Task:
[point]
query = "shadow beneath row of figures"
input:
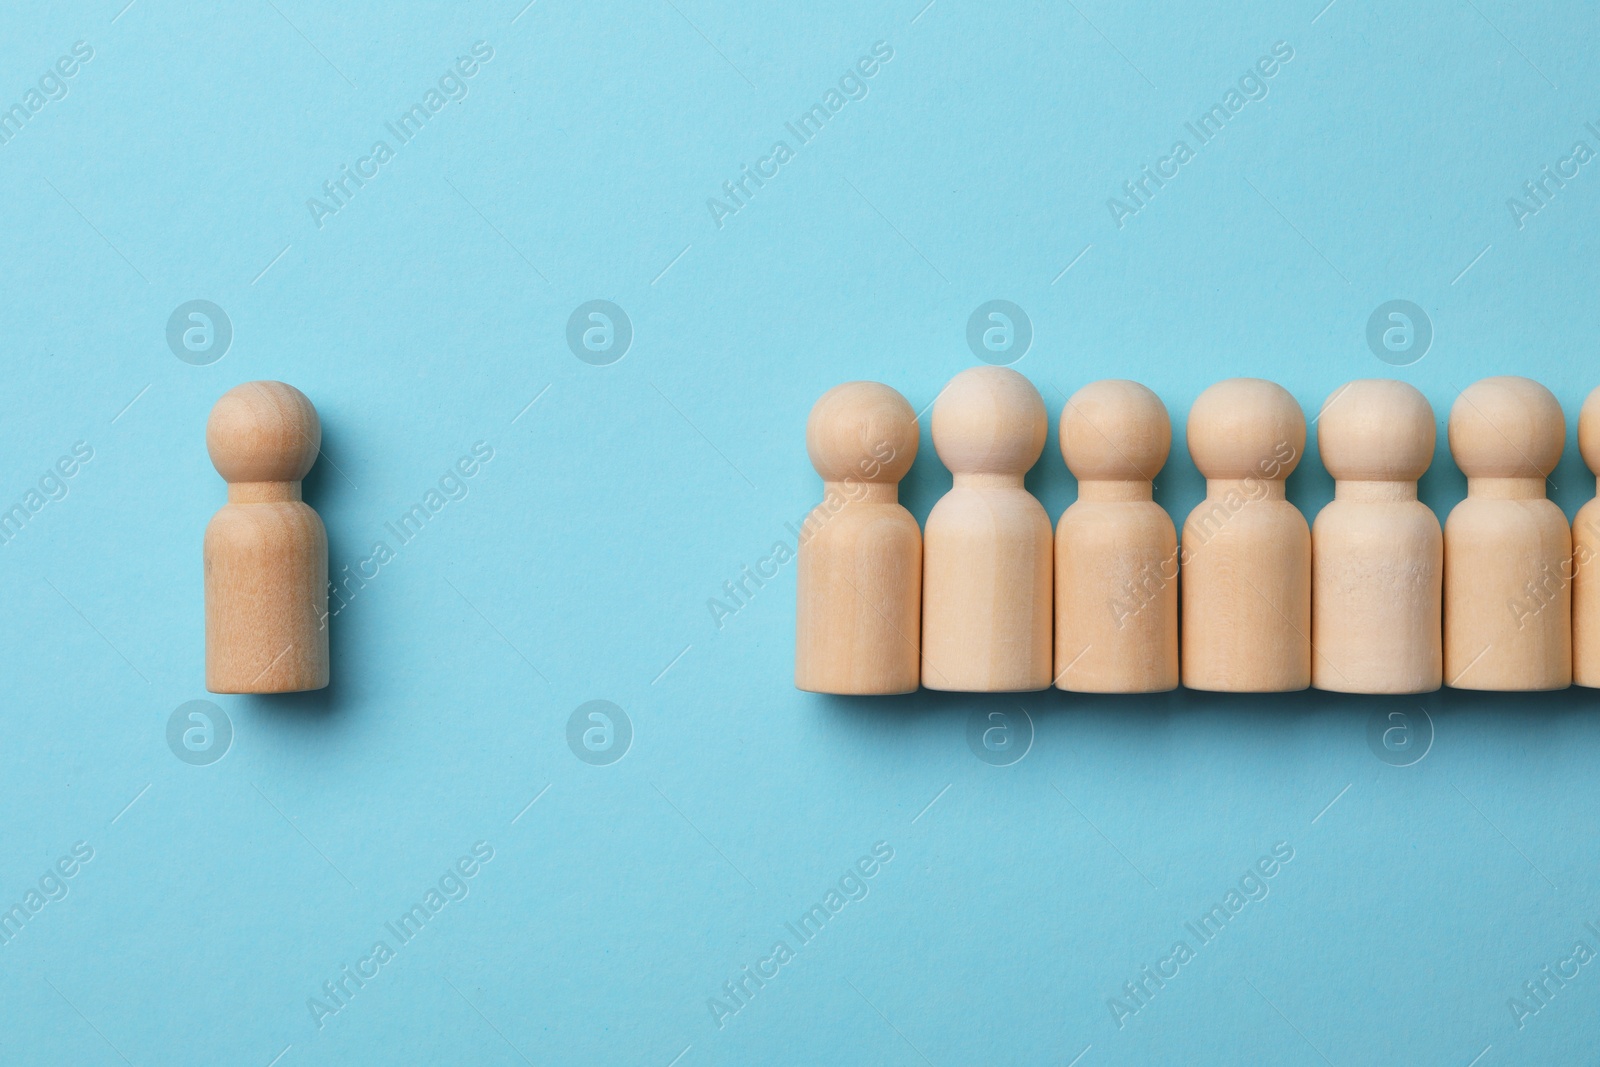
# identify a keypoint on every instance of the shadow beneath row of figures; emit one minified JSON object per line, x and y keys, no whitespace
{"x":1530,"y":709}
{"x":1000,"y":728}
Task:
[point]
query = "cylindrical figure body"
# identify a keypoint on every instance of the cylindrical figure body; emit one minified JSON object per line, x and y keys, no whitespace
{"x":859,"y":599}
{"x":1246,"y":556}
{"x":1116,"y":558}
{"x":1507,"y":547}
{"x":986,"y":618}
{"x":1586,"y":558}
{"x":266,"y":552}
{"x":1377,"y":553}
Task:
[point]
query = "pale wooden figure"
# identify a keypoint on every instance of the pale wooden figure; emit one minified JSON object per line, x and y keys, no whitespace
{"x":858,"y":610}
{"x":1246,"y":559}
{"x":1507,"y":547}
{"x":1377,"y":554}
{"x":1586,"y":558}
{"x":986,"y":585}
{"x":1116,"y":601}
{"x":266,"y":552}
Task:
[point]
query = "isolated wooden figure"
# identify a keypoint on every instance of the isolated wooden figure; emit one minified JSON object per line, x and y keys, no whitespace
{"x":1586,"y":558}
{"x":1246,"y":558}
{"x":1377,"y":553}
{"x":266,"y":552}
{"x":1507,"y":547}
{"x":859,"y":603}
{"x":986,"y":586}
{"x":1116,"y":596}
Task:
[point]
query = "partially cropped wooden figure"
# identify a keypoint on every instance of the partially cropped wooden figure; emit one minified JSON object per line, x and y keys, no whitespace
{"x":1116,"y":549}
{"x":1507,"y":547}
{"x":1377,"y":554}
{"x":986,"y":589}
{"x":859,"y":602}
{"x":266,"y":552}
{"x":1246,"y":567}
{"x":1586,"y":558}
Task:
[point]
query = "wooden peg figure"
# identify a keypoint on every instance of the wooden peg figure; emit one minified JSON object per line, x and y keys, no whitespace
{"x":1586,"y":558}
{"x":266,"y":552}
{"x":1507,"y":547}
{"x":1246,"y":566}
{"x":859,"y":603}
{"x":986,"y":588}
{"x":1116,"y":599}
{"x":1377,"y":554}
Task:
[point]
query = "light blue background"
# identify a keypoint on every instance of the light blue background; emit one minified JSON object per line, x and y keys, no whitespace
{"x":431,"y":311}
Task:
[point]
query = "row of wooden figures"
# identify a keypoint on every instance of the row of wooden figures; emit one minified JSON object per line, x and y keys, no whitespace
{"x":1374,"y":598}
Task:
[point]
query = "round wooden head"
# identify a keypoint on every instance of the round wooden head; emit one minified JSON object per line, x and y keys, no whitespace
{"x":989,"y":420}
{"x":1376,"y":430}
{"x":1246,"y":428}
{"x":263,"y":432}
{"x":1115,"y":431}
{"x":1589,"y":431}
{"x":1507,"y":427}
{"x":864,"y":431}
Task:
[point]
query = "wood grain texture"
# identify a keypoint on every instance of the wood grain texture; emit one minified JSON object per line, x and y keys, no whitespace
{"x":858,"y":607}
{"x":1246,"y":557}
{"x":1507,"y":547}
{"x":987,"y":550}
{"x":266,"y":552}
{"x":1116,"y":550}
{"x":1377,"y":553}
